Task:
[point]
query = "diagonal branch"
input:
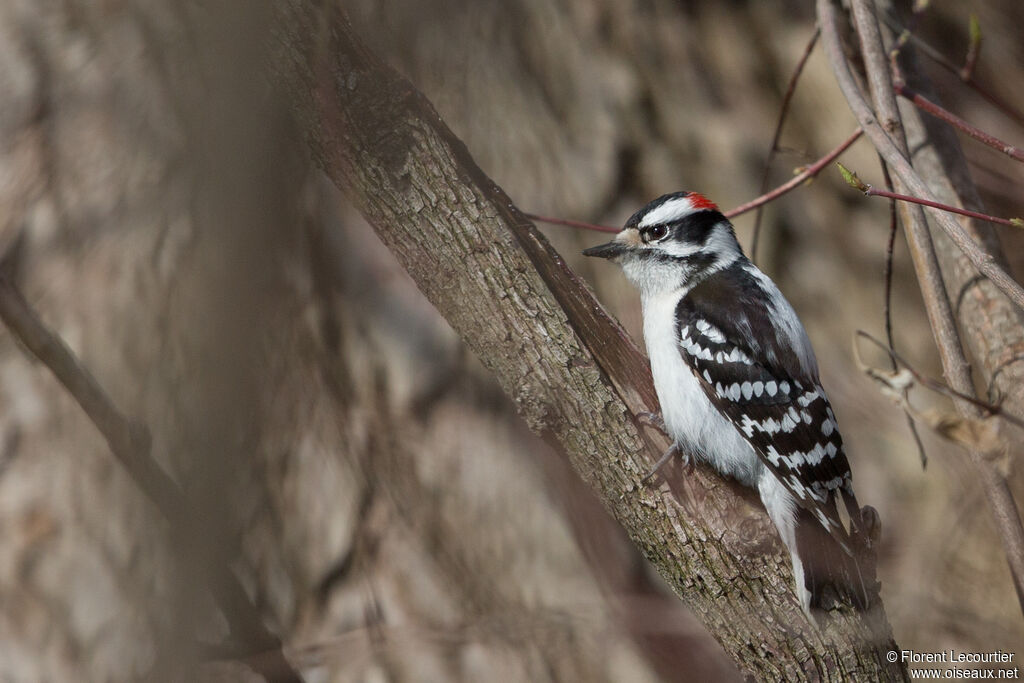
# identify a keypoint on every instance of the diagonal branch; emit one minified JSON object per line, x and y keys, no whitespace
{"x":924,"y":104}
{"x":795,"y":182}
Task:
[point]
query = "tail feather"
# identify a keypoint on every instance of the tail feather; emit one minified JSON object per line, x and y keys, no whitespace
{"x":833,"y":562}
{"x":831,"y":573}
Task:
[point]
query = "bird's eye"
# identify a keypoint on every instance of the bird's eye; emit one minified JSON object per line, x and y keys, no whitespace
{"x":656,"y":232}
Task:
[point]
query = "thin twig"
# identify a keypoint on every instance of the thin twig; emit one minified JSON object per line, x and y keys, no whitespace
{"x":940,"y":387}
{"x":1011,"y":222}
{"x":890,"y":249}
{"x":809,"y":172}
{"x":899,"y":164}
{"x":571,"y":223}
{"x":973,"y":48}
{"x":783,"y":112}
{"x":967,"y":77}
{"x":130,"y":443}
{"x":926,"y":105}
{"x":871,"y":191}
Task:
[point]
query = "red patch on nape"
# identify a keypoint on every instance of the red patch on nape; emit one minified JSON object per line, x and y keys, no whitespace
{"x":699,"y":202}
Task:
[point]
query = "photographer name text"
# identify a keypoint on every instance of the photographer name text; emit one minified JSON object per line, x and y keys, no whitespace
{"x":955,"y":657}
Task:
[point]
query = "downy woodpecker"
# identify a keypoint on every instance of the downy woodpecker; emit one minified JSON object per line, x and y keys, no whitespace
{"x":738,"y":384}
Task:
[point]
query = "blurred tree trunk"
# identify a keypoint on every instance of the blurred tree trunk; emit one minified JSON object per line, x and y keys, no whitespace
{"x":383,"y":506}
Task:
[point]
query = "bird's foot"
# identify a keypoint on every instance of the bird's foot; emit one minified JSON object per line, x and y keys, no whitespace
{"x":673,"y":450}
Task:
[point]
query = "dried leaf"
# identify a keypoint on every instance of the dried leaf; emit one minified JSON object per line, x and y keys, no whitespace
{"x":892,"y":383}
{"x":981,"y":435}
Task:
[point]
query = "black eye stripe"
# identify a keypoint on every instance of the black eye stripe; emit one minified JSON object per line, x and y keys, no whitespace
{"x":696,"y":227}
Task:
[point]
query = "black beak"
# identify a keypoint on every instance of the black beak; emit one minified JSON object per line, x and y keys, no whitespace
{"x":609,"y":250}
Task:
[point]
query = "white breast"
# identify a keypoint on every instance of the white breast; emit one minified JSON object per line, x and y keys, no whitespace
{"x":691,"y":419}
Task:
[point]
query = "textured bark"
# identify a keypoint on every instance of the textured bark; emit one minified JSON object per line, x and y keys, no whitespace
{"x":510,"y":297}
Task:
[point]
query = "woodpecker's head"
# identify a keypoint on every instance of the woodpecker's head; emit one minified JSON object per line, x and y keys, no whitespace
{"x":673,"y":240}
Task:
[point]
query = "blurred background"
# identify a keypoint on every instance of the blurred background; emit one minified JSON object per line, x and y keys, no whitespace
{"x":388,"y":511}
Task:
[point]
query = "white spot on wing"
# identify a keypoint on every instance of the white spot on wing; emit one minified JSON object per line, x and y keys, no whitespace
{"x":808,"y":398}
{"x":748,"y":425}
{"x":714,"y":335}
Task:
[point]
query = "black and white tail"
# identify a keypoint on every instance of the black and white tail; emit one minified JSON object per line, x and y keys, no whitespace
{"x":833,"y":574}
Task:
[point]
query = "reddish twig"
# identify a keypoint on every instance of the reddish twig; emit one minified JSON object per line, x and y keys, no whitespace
{"x":926,"y":105}
{"x":965,"y":75}
{"x":783,"y":112}
{"x":809,"y":172}
{"x":571,"y":223}
{"x":872,"y":191}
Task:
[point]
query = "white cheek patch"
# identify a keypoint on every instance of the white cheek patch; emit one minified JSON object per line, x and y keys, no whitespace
{"x":679,"y":249}
{"x":671,"y":210}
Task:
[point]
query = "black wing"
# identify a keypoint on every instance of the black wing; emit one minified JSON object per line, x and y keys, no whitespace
{"x":778,"y":406}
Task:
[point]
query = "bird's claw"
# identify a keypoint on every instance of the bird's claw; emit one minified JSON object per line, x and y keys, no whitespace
{"x":673,"y":450}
